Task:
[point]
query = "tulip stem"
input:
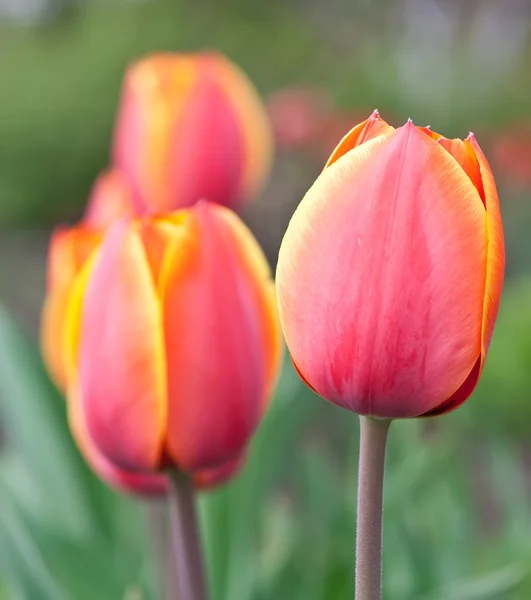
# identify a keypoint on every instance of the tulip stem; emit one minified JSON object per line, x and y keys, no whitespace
{"x":373,"y":438}
{"x":190,"y":577}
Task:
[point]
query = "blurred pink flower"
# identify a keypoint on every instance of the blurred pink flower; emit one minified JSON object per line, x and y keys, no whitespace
{"x":511,"y":154}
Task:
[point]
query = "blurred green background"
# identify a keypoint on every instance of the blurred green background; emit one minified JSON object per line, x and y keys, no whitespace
{"x":458,"y":489}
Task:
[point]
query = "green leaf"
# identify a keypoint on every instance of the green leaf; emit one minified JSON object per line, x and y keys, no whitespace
{"x":34,"y":416}
{"x":21,"y":559}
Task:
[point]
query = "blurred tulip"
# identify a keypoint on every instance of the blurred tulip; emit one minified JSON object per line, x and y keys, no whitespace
{"x":306,"y":119}
{"x":295,"y":112}
{"x":191,"y":127}
{"x":390,"y":273}
{"x":172,"y":345}
{"x":511,"y":155}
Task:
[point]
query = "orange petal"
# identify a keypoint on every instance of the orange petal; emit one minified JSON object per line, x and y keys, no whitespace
{"x":464,"y":154}
{"x":125,"y":481}
{"x":433,"y":134}
{"x":110,"y":199}
{"x":215,"y":343}
{"x":363,"y":132}
{"x":381,"y":277}
{"x":495,"y":249}
{"x":121,"y":356}
{"x":72,"y":319}
{"x":154,"y":90}
{"x":68,"y":251}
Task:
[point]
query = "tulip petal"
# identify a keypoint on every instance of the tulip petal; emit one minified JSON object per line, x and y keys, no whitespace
{"x":461,"y":395}
{"x":121,"y":359}
{"x":154,"y":91}
{"x":495,"y":249}
{"x":214,"y":345}
{"x":433,"y":134}
{"x":71,"y":333}
{"x":361,"y":133}
{"x":254,"y":263}
{"x":207,"y":151}
{"x":69,"y":248}
{"x":479,"y":172}
{"x":125,"y":481}
{"x":211,"y":478}
{"x":256,"y":131}
{"x":381,"y":277}
{"x":464,"y":154}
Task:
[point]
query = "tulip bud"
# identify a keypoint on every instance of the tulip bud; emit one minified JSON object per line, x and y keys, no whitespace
{"x":191,"y":127}
{"x":390,"y":273}
{"x":172,"y":344}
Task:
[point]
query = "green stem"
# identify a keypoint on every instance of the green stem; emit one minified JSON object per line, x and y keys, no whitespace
{"x":373,"y":437}
{"x":160,"y":537}
{"x":189,"y":571}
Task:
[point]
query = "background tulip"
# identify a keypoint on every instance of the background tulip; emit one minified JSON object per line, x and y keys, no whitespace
{"x":390,"y":272}
{"x":173,"y":343}
{"x":191,"y":127}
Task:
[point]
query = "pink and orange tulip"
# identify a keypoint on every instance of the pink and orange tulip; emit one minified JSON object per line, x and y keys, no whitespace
{"x":191,"y":127}
{"x":171,"y":347}
{"x":391,"y":270}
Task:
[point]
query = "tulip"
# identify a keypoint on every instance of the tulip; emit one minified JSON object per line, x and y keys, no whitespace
{"x":191,"y":127}
{"x":172,"y":345}
{"x":388,"y":282}
{"x":511,"y":155}
{"x":295,"y":113}
{"x":390,"y":272}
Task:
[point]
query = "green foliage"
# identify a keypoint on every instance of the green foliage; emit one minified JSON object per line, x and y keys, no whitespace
{"x":285,"y":527}
{"x":63,"y":534}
